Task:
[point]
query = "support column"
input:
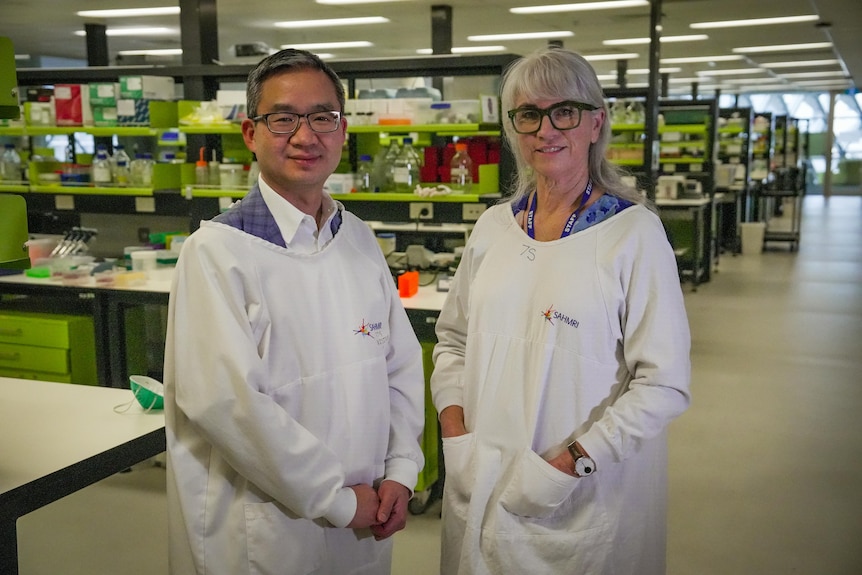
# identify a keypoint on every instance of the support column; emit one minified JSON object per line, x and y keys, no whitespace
{"x":665,"y":85}
{"x":651,"y":153}
{"x":199,"y":41}
{"x":694,"y":87}
{"x":830,"y":141}
{"x":622,"y":69}
{"x":441,"y":36}
{"x":97,"y":45}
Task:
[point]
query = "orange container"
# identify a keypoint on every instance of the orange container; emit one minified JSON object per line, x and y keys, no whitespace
{"x":408,"y":284}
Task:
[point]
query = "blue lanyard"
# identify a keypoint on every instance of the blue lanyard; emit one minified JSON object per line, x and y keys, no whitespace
{"x":585,"y":197}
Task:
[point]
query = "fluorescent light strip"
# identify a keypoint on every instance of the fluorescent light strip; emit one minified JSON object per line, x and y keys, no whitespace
{"x":132,"y":32}
{"x":130,"y":12}
{"x":767,"y":80}
{"x":162,"y":52}
{"x":22,"y":56}
{"x":801,"y":63}
{"x":465,"y":50}
{"x":329,"y":45}
{"x":734,"y":72}
{"x":755,"y":22}
{"x":520,"y":36}
{"x":697,"y":59}
{"x":332,"y":22}
{"x":346,"y":2}
{"x":634,"y":41}
{"x":579,"y":7}
{"x":782,"y":48}
{"x":813,"y":74}
{"x":823,"y":83}
{"x":605,"y":57}
{"x":660,"y":71}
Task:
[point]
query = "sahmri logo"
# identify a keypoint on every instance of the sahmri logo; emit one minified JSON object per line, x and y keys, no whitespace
{"x":551,"y":315}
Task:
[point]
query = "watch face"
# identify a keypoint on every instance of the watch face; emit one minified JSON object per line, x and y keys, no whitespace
{"x":585,"y":466}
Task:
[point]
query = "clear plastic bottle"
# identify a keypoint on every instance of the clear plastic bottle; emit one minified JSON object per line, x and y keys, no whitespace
{"x":102,"y":168}
{"x":121,"y":165}
{"x":10,"y":164}
{"x":405,"y":170}
{"x":461,"y":170}
{"x":142,"y":170}
{"x":202,"y":169}
{"x":387,"y":184}
{"x":363,"y":182}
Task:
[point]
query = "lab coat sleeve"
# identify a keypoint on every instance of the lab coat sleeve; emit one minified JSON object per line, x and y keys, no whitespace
{"x":214,"y":366}
{"x":404,"y":458}
{"x":451,"y":331}
{"x":656,"y":342}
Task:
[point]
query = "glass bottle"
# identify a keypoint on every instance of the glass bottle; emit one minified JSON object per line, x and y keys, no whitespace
{"x":121,"y":165}
{"x":405,"y":170}
{"x":364,"y":170}
{"x":10,"y":167}
{"x":461,"y":172}
{"x":102,"y":168}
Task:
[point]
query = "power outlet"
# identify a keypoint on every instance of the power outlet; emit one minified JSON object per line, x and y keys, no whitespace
{"x":471,"y":212}
{"x":421,"y":211}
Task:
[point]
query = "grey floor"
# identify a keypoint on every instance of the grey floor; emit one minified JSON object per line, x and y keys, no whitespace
{"x":765,"y":468}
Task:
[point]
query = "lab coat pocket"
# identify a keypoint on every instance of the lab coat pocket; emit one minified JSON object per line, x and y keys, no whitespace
{"x":460,"y":470}
{"x":536,"y":488}
{"x":278,"y":543}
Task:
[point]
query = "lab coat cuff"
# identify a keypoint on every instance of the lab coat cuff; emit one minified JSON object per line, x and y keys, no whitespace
{"x":343,"y":509}
{"x":447,"y":397}
{"x":597,"y":446}
{"x":403,"y":471}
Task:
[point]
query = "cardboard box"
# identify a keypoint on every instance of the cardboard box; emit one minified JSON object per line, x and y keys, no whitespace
{"x":104,"y":93}
{"x":105,"y":116}
{"x":132,"y":112}
{"x":147,"y":87}
{"x":39,"y":113}
{"x":69,"y":104}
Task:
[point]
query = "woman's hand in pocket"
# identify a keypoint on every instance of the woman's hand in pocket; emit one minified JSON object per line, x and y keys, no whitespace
{"x":564,"y":463}
{"x":452,"y":421}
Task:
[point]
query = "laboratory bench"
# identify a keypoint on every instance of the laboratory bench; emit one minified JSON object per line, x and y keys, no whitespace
{"x":688,"y":223}
{"x":59,"y":438}
{"x":118,"y":330}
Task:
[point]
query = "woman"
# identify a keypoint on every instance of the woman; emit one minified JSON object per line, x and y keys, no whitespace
{"x":563,"y":352}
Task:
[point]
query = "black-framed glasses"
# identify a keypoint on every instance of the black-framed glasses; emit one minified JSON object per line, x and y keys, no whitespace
{"x":563,"y":116}
{"x":288,"y":122}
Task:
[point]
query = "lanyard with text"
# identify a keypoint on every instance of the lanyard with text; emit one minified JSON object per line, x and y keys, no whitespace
{"x":569,"y":224}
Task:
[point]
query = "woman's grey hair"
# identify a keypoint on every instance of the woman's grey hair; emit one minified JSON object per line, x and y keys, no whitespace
{"x":286,"y":60}
{"x":560,"y":74}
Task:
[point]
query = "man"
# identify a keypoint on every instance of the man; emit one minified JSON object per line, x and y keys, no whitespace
{"x":293,"y":379}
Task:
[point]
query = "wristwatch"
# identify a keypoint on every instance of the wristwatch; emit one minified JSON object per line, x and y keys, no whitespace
{"x":584,"y":464}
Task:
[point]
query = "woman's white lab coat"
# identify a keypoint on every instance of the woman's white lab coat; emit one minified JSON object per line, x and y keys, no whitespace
{"x":541,"y":343}
{"x":288,"y":378}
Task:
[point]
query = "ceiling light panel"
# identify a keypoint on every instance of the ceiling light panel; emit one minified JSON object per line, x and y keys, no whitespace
{"x":699,"y":59}
{"x":755,"y":22}
{"x":521,"y":36}
{"x":782,"y":48}
{"x":326,"y":23}
{"x":579,"y":7}
{"x":800,"y":63}
{"x":329,"y":45}
{"x":635,"y":41}
{"x":605,"y":57}
{"x":130,"y":12}
{"x":133,"y":32}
